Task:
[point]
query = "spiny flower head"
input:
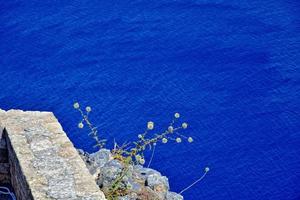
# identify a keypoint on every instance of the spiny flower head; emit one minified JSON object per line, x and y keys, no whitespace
{"x":76,"y":105}
{"x":178,"y":140}
{"x":88,"y":109}
{"x":142,"y":161}
{"x":138,"y":157}
{"x":184,"y":125}
{"x":176,"y":115}
{"x":150,"y":125}
{"x":206,"y":169}
{"x":80,"y":125}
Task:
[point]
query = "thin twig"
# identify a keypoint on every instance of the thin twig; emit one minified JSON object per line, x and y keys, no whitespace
{"x":152,"y":155}
{"x":185,"y":189}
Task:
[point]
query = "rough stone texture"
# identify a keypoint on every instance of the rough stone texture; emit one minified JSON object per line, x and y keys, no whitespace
{"x":109,"y":172}
{"x":148,"y":194}
{"x":96,"y":160}
{"x":158,"y":183}
{"x":173,"y":196}
{"x":44,"y":164}
{"x":142,"y":183}
{"x":4,"y":164}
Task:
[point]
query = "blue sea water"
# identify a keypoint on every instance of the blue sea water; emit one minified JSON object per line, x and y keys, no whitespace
{"x":231,"y":68}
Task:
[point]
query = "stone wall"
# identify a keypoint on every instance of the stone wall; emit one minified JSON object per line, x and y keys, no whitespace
{"x":4,"y":164}
{"x":43,"y":163}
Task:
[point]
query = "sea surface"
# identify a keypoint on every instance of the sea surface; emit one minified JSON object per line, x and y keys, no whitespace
{"x":230,"y":68}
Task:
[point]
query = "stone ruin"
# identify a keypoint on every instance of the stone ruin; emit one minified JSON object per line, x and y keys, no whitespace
{"x":39,"y":162}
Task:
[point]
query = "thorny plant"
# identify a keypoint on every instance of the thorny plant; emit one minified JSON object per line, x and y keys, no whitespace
{"x":132,"y":153}
{"x":85,"y":119}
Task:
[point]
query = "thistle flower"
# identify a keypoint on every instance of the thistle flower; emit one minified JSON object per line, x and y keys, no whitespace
{"x":178,"y":140}
{"x":177,"y":115}
{"x":164,"y":140}
{"x":138,"y":157}
{"x":171,"y":129}
{"x":150,"y":125}
{"x":133,"y":150}
{"x":206,"y":169}
{"x":190,"y":139}
{"x":76,"y":105}
{"x":184,"y":125}
{"x":142,"y":161}
{"x":80,"y":125}
{"x":88,"y":109}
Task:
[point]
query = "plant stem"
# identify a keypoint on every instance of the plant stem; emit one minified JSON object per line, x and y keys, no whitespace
{"x":185,"y":189}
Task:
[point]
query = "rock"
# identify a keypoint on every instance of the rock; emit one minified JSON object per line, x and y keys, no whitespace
{"x":140,"y":174}
{"x":100,"y":158}
{"x":84,"y":156}
{"x":148,"y":194}
{"x":81,"y":152}
{"x":131,"y":196}
{"x":43,"y":162}
{"x":158,"y":183}
{"x":95,"y":161}
{"x":142,"y":183}
{"x":113,"y":163}
{"x":133,"y":185}
{"x":108,"y":173}
{"x":173,"y":196}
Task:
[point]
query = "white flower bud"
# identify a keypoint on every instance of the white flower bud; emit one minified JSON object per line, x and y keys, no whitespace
{"x":184,"y":125}
{"x":80,"y":125}
{"x":88,"y":109}
{"x":178,"y":140}
{"x":138,"y":157}
{"x":150,"y":125}
{"x":142,"y":161}
{"x":190,"y":139}
{"x":164,"y":140}
{"x":206,"y":169}
{"x":76,"y":105}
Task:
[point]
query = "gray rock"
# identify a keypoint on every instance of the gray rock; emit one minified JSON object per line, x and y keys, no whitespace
{"x":141,"y":182}
{"x":131,"y":196}
{"x":173,"y":196}
{"x":100,"y":158}
{"x":148,"y":193}
{"x":95,"y":161}
{"x":133,"y":186}
{"x":108,"y":173}
{"x":145,"y":171}
{"x":158,"y":183}
{"x":81,"y":152}
{"x":114,"y":163}
{"x":140,"y":174}
{"x":94,"y":171}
